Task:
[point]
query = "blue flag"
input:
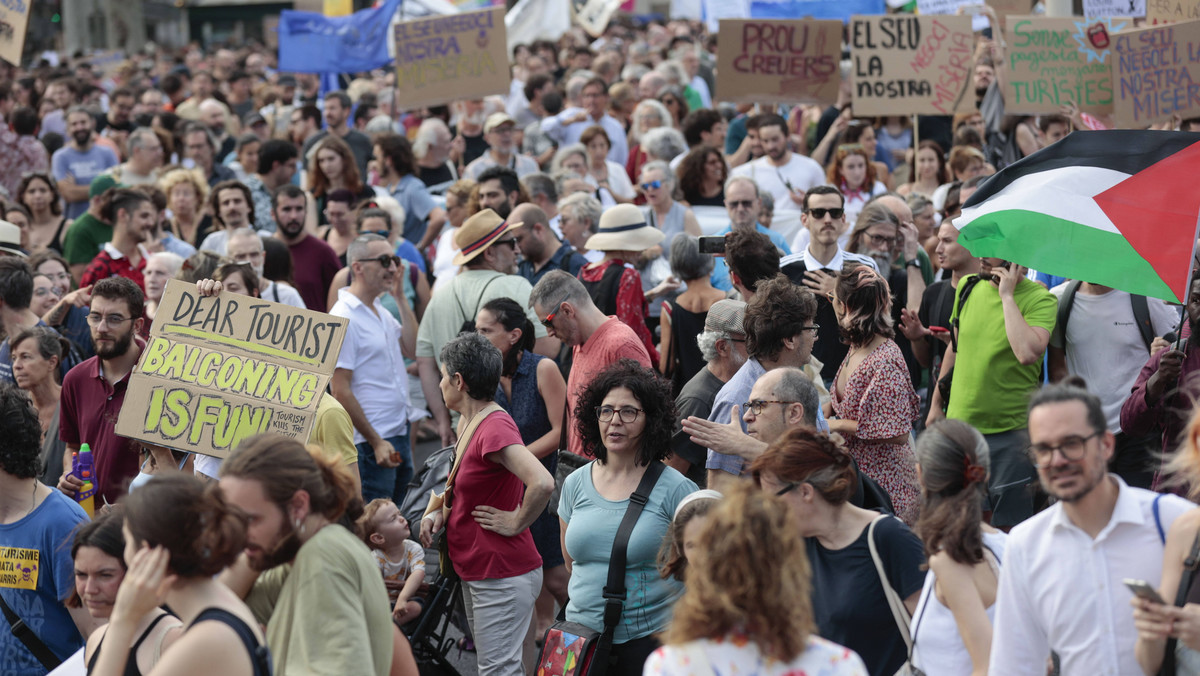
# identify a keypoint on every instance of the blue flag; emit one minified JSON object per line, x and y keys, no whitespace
{"x":816,"y":9}
{"x":314,"y":43}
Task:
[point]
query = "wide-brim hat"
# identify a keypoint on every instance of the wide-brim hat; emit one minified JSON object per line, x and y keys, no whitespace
{"x":478,"y":233}
{"x":624,"y":228}
{"x":10,"y":240}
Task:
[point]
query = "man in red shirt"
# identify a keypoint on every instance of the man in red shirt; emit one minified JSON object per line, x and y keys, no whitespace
{"x":133,"y":216}
{"x":314,"y":263}
{"x":566,"y":310}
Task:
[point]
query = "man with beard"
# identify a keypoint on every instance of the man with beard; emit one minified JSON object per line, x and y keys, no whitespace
{"x":1000,"y":333}
{"x":212,"y":116}
{"x":246,"y":247}
{"x":134,"y":218}
{"x":423,"y":218}
{"x":200,"y":147}
{"x":337,"y":115}
{"x":77,"y":163}
{"x":542,"y":250}
{"x":1060,"y":583}
{"x":488,"y":254}
{"x":784,"y":174}
{"x":500,"y":132}
{"x":500,"y":190}
{"x":94,"y":391}
{"x":817,"y":268}
{"x":120,"y":109}
{"x":326,"y":611}
{"x":314,"y":263}
{"x":370,"y":380}
{"x":303,"y":124}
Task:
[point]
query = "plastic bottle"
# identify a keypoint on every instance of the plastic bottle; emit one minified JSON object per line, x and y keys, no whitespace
{"x":84,"y":468}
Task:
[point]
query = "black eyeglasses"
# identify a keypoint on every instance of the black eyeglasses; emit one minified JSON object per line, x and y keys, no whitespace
{"x":112,"y":320}
{"x":628,"y":413}
{"x":882,"y":240}
{"x":511,"y":241}
{"x":739,"y":204}
{"x":1072,"y":448}
{"x":788,"y":488}
{"x":819,"y":213}
{"x":759,"y":405}
{"x":386,"y":260}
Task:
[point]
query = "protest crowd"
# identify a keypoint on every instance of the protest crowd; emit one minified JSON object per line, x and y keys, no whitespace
{"x":726,"y":391}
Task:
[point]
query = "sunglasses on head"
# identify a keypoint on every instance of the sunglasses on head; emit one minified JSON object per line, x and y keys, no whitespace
{"x":818,"y":212}
{"x":652,"y":184}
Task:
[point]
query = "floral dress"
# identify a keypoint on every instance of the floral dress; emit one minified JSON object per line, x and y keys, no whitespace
{"x":879,"y":396}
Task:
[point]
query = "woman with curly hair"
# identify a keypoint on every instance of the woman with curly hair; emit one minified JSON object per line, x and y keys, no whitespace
{"x":872,"y":393}
{"x":702,"y":175}
{"x":333,"y":168}
{"x":748,"y":608}
{"x":186,"y":192}
{"x":625,"y":418}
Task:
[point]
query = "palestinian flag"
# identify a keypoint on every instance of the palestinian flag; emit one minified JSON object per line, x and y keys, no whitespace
{"x":1118,"y":208}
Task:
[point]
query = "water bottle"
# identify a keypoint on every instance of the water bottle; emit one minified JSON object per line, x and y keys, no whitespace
{"x":84,"y":468}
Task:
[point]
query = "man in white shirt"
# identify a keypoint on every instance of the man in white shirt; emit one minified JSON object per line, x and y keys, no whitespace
{"x":1060,"y":586}
{"x":370,"y":380}
{"x":246,"y":246}
{"x":566,"y":127}
{"x":784,"y":174}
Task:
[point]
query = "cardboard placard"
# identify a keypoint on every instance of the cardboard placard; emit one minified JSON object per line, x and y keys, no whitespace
{"x":270,"y":26}
{"x":905,"y":64}
{"x":1006,"y":8}
{"x":14,"y":20}
{"x":1053,"y":60}
{"x":1170,"y":11}
{"x":779,"y":60}
{"x":1156,"y":74}
{"x":219,"y":369}
{"x":445,"y":58}
{"x":1126,"y":8}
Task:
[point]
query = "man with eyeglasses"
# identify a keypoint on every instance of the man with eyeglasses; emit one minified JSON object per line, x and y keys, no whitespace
{"x":246,"y":246}
{"x":743,"y":204}
{"x":1060,"y":586}
{"x":370,"y":380}
{"x":500,"y":133}
{"x":314,"y":263}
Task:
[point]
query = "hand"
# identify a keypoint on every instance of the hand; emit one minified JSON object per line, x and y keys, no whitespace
{"x":911,"y":326}
{"x":81,"y":297}
{"x":446,"y":432}
{"x":70,"y":484}
{"x":145,"y":585}
{"x":910,"y":239}
{"x":209,"y":287}
{"x":69,"y":179}
{"x":496,"y":520}
{"x":1152,"y":620}
{"x":1008,"y":278}
{"x":430,"y":525}
{"x":721,"y":437}
{"x":668,"y":285}
{"x":1169,"y":368}
{"x":385,"y":453}
{"x":935,"y":414}
{"x":797,"y":196}
{"x":822,"y":283}
{"x":1186,"y":624}
{"x":578,"y":117}
{"x":1158,"y":345}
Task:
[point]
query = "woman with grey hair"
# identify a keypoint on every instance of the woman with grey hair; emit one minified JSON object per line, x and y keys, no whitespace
{"x":574,"y":159}
{"x":683,"y":317}
{"x":664,"y":143}
{"x":648,"y":115}
{"x":579,"y":217}
{"x":495,"y":491}
{"x":663,"y":212}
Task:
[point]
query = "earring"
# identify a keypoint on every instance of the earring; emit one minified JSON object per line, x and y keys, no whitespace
{"x":298,"y":525}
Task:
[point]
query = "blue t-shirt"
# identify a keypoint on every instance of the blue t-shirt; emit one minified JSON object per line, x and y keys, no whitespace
{"x":412,"y":194}
{"x":592,"y":523}
{"x":36,"y":574}
{"x":408,"y":251}
{"x":720,"y":274}
{"x":83,"y":167}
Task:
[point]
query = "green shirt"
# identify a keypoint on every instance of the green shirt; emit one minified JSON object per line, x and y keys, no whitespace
{"x":84,"y":239}
{"x":461,"y":299}
{"x":990,"y":388}
{"x":327,"y":612}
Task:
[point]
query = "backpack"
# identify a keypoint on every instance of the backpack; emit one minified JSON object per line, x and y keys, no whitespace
{"x":1141,"y":313}
{"x":604,"y":291}
{"x":960,"y":302}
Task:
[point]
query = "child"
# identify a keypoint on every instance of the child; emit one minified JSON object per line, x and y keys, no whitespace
{"x":690,"y":516}
{"x":401,"y":560}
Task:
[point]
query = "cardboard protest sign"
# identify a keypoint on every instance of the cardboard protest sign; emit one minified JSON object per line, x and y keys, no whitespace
{"x":219,"y":369}
{"x":1170,"y":11}
{"x":779,"y":60}
{"x":1053,"y":60}
{"x":1156,"y":74}
{"x":14,"y":19}
{"x":905,"y":64}
{"x":1129,"y":8}
{"x":444,"y":58}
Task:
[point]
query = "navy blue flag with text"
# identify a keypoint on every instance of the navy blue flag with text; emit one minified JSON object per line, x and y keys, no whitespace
{"x":314,"y":43}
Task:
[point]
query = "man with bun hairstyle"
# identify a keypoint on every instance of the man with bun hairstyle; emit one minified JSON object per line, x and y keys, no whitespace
{"x":134,"y":218}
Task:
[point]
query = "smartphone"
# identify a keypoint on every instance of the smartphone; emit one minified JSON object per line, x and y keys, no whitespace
{"x":1142,"y":589}
{"x":713,"y":245}
{"x":938,"y":329}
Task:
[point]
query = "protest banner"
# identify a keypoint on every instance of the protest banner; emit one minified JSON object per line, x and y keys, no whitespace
{"x":14,"y":20}
{"x":1112,"y":8}
{"x":1054,"y":60}
{"x":1156,"y":74}
{"x":310,"y":42}
{"x":1171,"y":11}
{"x":905,"y":64}
{"x":779,"y":61}
{"x":446,"y":58}
{"x":219,"y":369}
{"x":593,"y":15}
{"x":841,"y":10}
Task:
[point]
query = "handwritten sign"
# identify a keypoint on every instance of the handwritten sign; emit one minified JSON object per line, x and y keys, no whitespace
{"x":1170,"y":11}
{"x":219,"y":369}
{"x":1156,"y":74}
{"x":1129,"y":8}
{"x":779,"y":60}
{"x":14,"y":19}
{"x":905,"y":64}
{"x":1055,"y":60}
{"x":445,"y":58}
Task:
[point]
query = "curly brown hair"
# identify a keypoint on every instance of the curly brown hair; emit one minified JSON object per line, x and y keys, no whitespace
{"x":691,"y":172}
{"x":653,"y":393}
{"x":778,"y":311}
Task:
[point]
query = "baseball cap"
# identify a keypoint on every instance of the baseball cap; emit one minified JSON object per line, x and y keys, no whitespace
{"x":100,"y":184}
{"x":495,"y":120}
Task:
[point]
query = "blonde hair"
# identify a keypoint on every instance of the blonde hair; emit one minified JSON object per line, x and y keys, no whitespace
{"x":194,"y":177}
{"x":1184,"y":467}
{"x":752,"y":576}
{"x":368,"y":523}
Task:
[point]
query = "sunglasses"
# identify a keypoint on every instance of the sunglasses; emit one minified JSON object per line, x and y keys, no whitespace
{"x":512,"y":241}
{"x":385,"y":260}
{"x":652,"y":184}
{"x":548,"y":322}
{"x":739,"y":204}
{"x":819,"y":213}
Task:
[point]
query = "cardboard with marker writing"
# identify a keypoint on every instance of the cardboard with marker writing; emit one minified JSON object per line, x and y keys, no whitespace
{"x":904,"y":64}
{"x":779,"y":60}
{"x":445,"y":58}
{"x":1055,"y":60}
{"x":219,"y":369}
{"x":1156,"y":74}
{"x":14,"y":20}
{"x":1170,"y":11}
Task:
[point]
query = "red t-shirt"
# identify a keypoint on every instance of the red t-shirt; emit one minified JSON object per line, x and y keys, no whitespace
{"x":314,"y":265}
{"x":480,"y":554}
{"x":88,"y":414}
{"x":612,"y":342}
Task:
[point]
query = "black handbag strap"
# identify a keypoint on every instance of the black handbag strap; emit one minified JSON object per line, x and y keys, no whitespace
{"x":29,"y":639}
{"x":614,"y":590}
{"x":1190,"y":564}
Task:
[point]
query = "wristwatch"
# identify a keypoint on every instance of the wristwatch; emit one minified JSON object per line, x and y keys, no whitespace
{"x":914,"y":263}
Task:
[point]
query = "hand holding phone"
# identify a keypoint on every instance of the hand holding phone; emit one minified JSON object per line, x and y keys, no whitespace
{"x":1143,"y":590}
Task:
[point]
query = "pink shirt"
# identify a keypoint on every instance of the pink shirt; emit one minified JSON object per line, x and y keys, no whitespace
{"x":612,"y":342}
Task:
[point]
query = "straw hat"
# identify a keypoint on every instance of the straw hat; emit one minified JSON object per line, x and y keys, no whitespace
{"x":10,"y":240}
{"x":478,"y":233}
{"x":624,"y":228}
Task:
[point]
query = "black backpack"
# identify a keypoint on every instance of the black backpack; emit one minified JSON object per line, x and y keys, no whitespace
{"x":1141,"y":313}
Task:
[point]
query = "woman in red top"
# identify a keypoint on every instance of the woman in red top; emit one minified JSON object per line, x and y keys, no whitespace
{"x":499,"y":489}
{"x":614,"y":283}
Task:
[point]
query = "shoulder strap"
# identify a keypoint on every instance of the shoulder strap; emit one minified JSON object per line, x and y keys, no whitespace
{"x":1185,"y":586}
{"x":1141,"y":316}
{"x":29,"y":639}
{"x":260,"y":655}
{"x":899,"y":612}
{"x":1162,"y":535}
{"x":960,"y":301}
{"x":146,"y":634}
{"x":461,"y":448}
{"x":1065,"y":304}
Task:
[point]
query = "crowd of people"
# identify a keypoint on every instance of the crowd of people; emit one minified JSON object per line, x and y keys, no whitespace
{"x":850,"y":446}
